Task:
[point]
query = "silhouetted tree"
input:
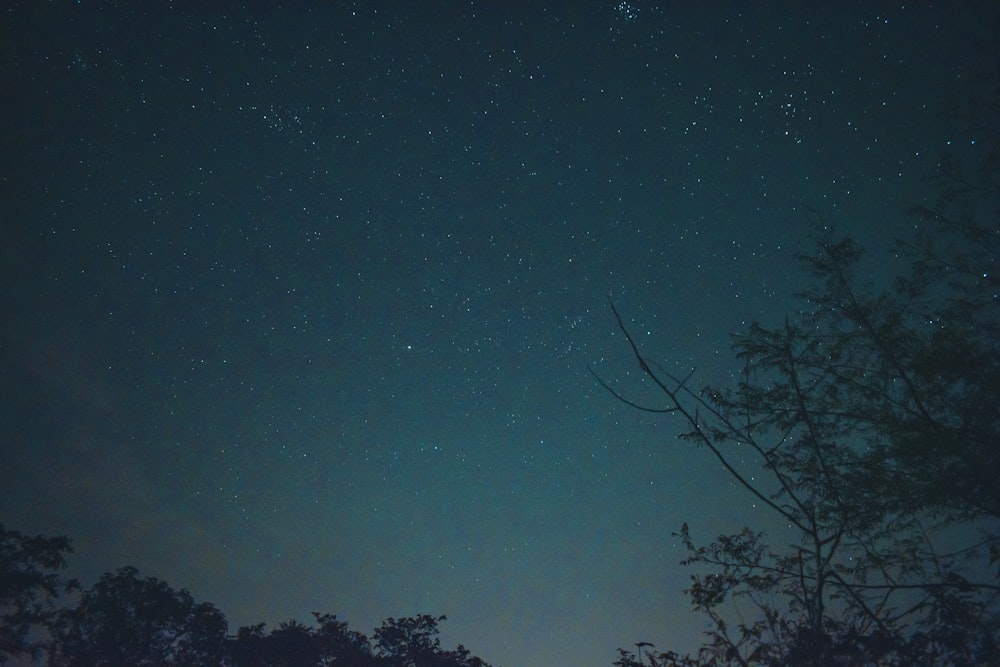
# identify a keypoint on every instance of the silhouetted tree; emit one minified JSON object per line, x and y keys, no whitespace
{"x":413,"y":642}
{"x":128,"y":621}
{"x":341,"y":645}
{"x":409,"y":641}
{"x":403,"y":642}
{"x":869,"y":423}
{"x":294,"y":644}
{"x":30,"y":585}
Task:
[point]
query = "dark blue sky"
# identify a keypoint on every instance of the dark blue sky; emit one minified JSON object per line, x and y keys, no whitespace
{"x":298,"y":303}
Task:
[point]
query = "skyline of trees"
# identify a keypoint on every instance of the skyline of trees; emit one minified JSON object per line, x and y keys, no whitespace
{"x":127,"y":620}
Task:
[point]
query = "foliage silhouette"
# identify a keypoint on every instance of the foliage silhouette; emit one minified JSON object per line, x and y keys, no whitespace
{"x":126,"y":620}
{"x":293,"y":643}
{"x":869,"y":423}
{"x":30,"y":584}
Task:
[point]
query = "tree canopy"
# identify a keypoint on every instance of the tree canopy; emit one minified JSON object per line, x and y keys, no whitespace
{"x":869,"y":422}
{"x":30,"y":585}
{"x":127,"y":620}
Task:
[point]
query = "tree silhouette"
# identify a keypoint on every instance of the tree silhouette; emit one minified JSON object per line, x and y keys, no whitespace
{"x":294,"y":644}
{"x":869,"y":423}
{"x":340,"y":645}
{"x":125,"y":620}
{"x":291,"y":644}
{"x":30,"y":584}
{"x":413,"y":642}
{"x":409,"y":641}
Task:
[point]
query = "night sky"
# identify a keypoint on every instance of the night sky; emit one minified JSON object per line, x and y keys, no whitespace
{"x":298,"y":302}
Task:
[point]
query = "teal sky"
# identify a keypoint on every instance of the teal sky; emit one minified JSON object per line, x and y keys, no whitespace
{"x":298,"y":303}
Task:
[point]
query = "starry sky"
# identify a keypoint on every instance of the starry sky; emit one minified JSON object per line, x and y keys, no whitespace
{"x":298,"y":301}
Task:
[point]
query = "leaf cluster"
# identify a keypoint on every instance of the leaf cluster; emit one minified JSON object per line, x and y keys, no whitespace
{"x":29,"y":586}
